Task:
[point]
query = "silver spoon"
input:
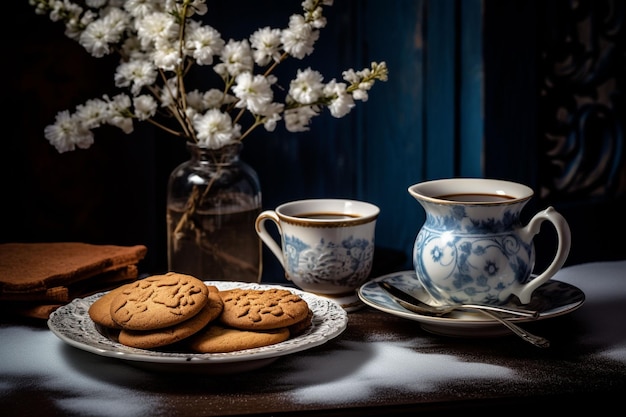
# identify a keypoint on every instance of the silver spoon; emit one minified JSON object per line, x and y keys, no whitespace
{"x":421,"y":307}
{"x":416,"y":305}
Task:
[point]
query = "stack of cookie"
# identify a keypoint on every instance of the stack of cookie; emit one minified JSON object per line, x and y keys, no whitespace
{"x":37,"y":278}
{"x":178,"y":311}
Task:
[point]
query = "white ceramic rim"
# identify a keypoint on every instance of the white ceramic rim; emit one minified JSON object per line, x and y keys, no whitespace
{"x":430,"y":190}
{"x":367,"y":212}
{"x":72,"y":324}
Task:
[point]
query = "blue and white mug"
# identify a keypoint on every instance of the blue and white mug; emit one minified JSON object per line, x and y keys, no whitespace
{"x":326,"y":245}
{"x":473,"y":248}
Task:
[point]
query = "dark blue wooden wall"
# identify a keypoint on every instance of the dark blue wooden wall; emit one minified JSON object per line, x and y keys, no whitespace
{"x":425,"y":122}
{"x":461,"y":100}
{"x":114,"y":192}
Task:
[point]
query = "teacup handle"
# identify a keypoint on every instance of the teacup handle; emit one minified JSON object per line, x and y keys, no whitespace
{"x":267,"y":238}
{"x":525,"y":291}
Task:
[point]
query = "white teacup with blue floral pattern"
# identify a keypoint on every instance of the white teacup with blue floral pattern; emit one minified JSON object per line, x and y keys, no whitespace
{"x":473,"y":247}
{"x":327,"y":245}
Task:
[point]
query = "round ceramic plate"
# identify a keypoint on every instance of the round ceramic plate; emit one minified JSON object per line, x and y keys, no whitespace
{"x":552,"y":299}
{"x":72,"y":324}
{"x":350,"y":303}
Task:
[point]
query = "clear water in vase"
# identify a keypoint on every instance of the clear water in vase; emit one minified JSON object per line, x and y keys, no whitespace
{"x":222,"y":245}
{"x":213,"y":200}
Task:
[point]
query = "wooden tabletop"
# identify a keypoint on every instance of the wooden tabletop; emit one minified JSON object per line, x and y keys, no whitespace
{"x":380,"y":365}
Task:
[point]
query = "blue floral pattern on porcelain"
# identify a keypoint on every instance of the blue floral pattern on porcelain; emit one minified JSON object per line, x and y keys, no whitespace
{"x":342,"y":264}
{"x":466,"y":253}
{"x":473,"y":247}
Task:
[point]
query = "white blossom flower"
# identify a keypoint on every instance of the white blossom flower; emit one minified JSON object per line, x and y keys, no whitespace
{"x":145,"y":106}
{"x":298,"y":119}
{"x":299,"y":37}
{"x":140,"y":8}
{"x":193,"y":7}
{"x":92,"y":114}
{"x":75,"y":23}
{"x":159,"y":42}
{"x":166,"y":55}
{"x":67,"y":133}
{"x":198,"y":7}
{"x":215,"y":98}
{"x":307,"y":87}
{"x":340,"y":102}
{"x":191,"y":113}
{"x":315,"y":12}
{"x":195,"y":100}
{"x":169,"y":93}
{"x":266,"y":44}
{"x":133,"y":50}
{"x":118,"y":21}
{"x":272,"y":115}
{"x":155,"y":26}
{"x":119,"y":113}
{"x":95,"y":3}
{"x":203,"y":42}
{"x":135,"y":74}
{"x":215,"y":129}
{"x":253,"y":91}
{"x":96,"y":38}
{"x":363,"y":80}
{"x":236,"y":58}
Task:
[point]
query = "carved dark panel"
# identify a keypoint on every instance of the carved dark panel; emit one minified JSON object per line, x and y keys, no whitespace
{"x":582,"y":114}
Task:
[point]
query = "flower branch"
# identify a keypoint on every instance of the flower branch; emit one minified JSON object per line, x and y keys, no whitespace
{"x":160,"y":41}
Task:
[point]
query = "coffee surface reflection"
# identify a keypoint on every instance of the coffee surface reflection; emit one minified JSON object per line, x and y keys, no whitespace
{"x":327,"y":216}
{"x":476,"y":198}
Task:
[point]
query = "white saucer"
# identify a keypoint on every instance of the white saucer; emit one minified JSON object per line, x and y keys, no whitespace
{"x":552,"y":299}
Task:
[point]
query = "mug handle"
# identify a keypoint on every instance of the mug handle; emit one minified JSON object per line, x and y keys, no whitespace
{"x":259,"y":225}
{"x":525,"y":291}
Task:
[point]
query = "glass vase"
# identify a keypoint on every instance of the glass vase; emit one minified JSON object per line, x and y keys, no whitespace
{"x":213,"y":200}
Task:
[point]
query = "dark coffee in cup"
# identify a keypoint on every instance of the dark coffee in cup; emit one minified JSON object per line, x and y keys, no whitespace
{"x":476,"y":198}
{"x":327,"y":216}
